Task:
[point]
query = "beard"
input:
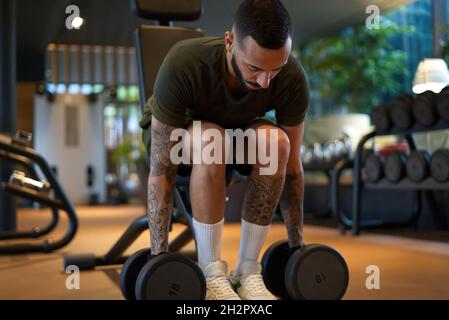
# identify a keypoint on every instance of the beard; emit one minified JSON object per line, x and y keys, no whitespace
{"x":239,"y":75}
{"x":237,"y":71}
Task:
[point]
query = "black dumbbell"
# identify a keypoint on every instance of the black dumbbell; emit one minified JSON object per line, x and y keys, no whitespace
{"x":443,"y":103}
{"x":439,"y":165}
{"x":314,"y":271}
{"x":424,"y":108}
{"x":394,"y":166}
{"x":130,"y":272}
{"x":373,"y":168}
{"x":401,"y":112}
{"x":417,"y":165}
{"x":168,"y":276}
{"x":380,"y":116}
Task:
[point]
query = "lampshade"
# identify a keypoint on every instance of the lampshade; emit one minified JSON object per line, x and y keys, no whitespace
{"x":432,"y":74}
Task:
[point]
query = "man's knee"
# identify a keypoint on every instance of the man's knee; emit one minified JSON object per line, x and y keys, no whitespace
{"x":206,"y":143}
{"x":275,"y":141}
{"x":283,"y":145}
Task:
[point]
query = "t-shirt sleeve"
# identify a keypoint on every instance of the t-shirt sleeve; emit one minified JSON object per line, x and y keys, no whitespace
{"x":172,"y":93}
{"x":292,"y":98}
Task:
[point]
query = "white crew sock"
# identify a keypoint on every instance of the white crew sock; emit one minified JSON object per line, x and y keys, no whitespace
{"x":252,"y":238}
{"x":208,"y":239}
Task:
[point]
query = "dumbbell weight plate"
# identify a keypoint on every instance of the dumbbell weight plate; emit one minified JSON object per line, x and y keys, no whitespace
{"x":130,"y":272}
{"x":417,"y":166}
{"x":439,"y":165}
{"x":316,"y":272}
{"x":381,"y":118}
{"x":424,"y":109}
{"x":394,"y":164}
{"x":170,"y":277}
{"x":401,"y":112}
{"x":443,"y":104}
{"x":274,"y":262}
{"x":373,"y":168}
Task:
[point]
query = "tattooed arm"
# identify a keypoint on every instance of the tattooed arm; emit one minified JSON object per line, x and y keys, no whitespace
{"x":292,"y":198}
{"x":161,"y":184}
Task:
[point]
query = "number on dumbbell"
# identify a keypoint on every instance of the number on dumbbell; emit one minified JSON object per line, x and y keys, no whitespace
{"x":174,"y":289}
{"x":320,"y":277}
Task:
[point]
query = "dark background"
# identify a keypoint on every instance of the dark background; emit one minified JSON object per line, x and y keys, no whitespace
{"x":111,"y":22}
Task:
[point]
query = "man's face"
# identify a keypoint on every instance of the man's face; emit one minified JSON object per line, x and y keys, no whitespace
{"x":255,"y":66}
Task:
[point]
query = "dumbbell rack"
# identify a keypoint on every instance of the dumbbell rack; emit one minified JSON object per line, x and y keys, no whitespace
{"x":405,"y":184}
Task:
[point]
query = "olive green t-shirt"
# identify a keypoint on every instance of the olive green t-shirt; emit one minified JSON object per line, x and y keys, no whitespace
{"x":192,"y":85}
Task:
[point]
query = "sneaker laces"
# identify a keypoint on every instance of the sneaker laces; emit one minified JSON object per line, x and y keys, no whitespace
{"x":220,"y":285}
{"x":254,"y":283}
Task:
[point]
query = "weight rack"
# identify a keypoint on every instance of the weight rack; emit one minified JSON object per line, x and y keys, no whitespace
{"x":423,"y":188}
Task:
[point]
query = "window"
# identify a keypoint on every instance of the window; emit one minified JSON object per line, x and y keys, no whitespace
{"x":359,"y":68}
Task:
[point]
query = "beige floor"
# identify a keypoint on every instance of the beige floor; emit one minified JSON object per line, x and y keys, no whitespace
{"x":409,"y":269}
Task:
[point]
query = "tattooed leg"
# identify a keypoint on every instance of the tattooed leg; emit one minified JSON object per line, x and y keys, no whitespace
{"x":261,"y":197}
{"x":263,"y":191}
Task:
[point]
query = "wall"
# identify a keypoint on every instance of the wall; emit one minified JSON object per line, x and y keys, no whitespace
{"x":69,"y":133}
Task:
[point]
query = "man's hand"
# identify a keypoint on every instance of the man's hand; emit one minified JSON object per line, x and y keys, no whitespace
{"x":292,"y":197}
{"x":161,"y":184}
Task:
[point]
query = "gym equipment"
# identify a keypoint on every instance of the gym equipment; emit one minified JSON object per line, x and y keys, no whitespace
{"x":424,"y":108}
{"x":324,"y":155}
{"x":373,"y":168}
{"x":170,"y":276}
{"x":439,"y":165}
{"x":381,"y":118}
{"x":20,"y":178}
{"x":401,"y":112}
{"x":418,"y":192}
{"x":48,"y":192}
{"x":394,"y":166}
{"x":313,"y":271}
{"x":167,"y":276}
{"x":442,"y":102}
{"x":317,"y":152}
{"x":306,"y":155}
{"x":417,"y":165}
{"x":24,"y":139}
{"x":130,"y":272}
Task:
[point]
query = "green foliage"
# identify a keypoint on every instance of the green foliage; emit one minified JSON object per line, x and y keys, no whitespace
{"x":130,"y":151}
{"x":357,"y":67}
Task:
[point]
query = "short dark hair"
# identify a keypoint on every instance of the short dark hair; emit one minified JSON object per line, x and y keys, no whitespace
{"x":266,"y":21}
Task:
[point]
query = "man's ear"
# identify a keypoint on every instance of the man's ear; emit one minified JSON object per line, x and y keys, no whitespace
{"x":229,"y":40}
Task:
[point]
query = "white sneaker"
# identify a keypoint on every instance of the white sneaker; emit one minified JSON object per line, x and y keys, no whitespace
{"x":218,"y":284}
{"x":248,"y":282}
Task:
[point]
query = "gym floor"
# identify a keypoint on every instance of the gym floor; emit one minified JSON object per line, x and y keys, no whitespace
{"x":409,"y":268}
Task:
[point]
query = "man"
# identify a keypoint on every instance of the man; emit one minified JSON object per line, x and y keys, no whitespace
{"x":230,"y":83}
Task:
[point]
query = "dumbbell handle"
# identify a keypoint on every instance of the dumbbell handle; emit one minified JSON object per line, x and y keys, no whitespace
{"x":292,"y":249}
{"x":151,"y":256}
